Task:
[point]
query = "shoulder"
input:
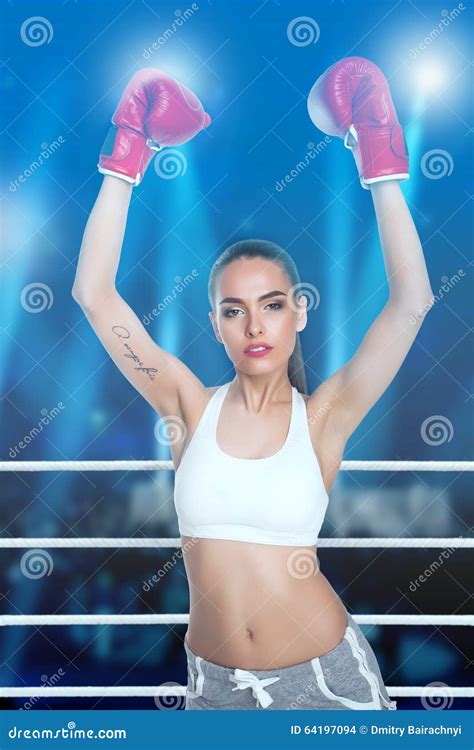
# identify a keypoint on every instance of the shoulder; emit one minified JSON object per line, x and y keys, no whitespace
{"x":211,"y":390}
{"x":195,"y":406}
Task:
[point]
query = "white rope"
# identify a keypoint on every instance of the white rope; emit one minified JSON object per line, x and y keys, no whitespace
{"x":431,"y":692}
{"x":162,"y":619}
{"x":407,"y":466}
{"x":98,"y":542}
{"x":414,"y":619}
{"x":397,"y":542}
{"x":182,"y":619}
{"x":96,"y":691}
{"x":115,"y":542}
{"x":168,"y":466}
{"x":99,"y":691}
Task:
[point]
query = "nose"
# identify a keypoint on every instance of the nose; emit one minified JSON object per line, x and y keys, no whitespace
{"x":254,"y":327}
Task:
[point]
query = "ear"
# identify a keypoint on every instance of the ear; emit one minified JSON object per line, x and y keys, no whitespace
{"x":212,"y":318}
{"x":301,"y":315}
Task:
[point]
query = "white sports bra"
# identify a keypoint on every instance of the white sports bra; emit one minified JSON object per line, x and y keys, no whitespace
{"x":280,"y":499}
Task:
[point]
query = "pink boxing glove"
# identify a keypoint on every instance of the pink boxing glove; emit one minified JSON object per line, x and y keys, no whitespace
{"x":351,"y":99}
{"x":154,"y":111}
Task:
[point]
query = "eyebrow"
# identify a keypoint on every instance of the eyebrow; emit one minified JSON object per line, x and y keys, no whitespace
{"x":275,"y":293}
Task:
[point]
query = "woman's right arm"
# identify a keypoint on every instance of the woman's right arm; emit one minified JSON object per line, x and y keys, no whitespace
{"x":160,"y":377}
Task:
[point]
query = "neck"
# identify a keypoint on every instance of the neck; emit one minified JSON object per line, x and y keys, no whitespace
{"x":258,"y":392}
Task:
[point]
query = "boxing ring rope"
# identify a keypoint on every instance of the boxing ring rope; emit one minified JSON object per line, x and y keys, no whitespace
{"x":168,"y":466}
{"x":169,"y":619}
{"x":103,"y":542}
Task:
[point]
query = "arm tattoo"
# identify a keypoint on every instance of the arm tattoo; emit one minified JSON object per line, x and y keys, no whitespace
{"x":123,"y":333}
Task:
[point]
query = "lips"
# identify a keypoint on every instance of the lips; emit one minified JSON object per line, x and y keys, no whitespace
{"x":258,"y":345}
{"x":258,"y":350}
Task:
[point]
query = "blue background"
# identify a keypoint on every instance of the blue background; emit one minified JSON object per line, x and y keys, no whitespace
{"x":254,"y":81}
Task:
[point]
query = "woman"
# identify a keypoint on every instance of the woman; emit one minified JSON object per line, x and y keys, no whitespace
{"x":258,"y":455}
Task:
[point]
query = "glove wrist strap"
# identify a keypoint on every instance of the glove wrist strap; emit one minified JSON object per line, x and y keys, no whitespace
{"x":380,"y":151}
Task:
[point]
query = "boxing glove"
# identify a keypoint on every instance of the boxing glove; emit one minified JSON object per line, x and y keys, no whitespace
{"x":155,"y":110}
{"x":352,"y":100}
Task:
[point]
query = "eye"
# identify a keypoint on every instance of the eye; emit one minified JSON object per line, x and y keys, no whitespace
{"x":227,"y":313}
{"x":274,"y":305}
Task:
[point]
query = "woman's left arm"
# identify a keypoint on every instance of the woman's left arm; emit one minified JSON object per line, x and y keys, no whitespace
{"x":405,"y":265}
{"x":353,"y":389}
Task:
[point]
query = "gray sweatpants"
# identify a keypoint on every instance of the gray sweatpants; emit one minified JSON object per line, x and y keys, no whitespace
{"x":346,"y":677}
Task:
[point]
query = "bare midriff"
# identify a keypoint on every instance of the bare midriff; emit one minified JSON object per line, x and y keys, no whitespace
{"x":259,"y":606}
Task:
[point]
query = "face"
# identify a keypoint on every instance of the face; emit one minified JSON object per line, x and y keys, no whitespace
{"x":243,"y":320}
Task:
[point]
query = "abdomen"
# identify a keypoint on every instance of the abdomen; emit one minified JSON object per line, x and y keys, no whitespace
{"x":259,"y":606}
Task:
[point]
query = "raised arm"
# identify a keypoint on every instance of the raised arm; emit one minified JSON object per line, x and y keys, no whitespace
{"x":162,"y":379}
{"x":352,"y":100}
{"x":354,"y":389}
{"x":154,"y":110}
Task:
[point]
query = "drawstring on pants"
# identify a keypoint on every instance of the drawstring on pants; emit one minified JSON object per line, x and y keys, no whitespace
{"x":245,"y":679}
